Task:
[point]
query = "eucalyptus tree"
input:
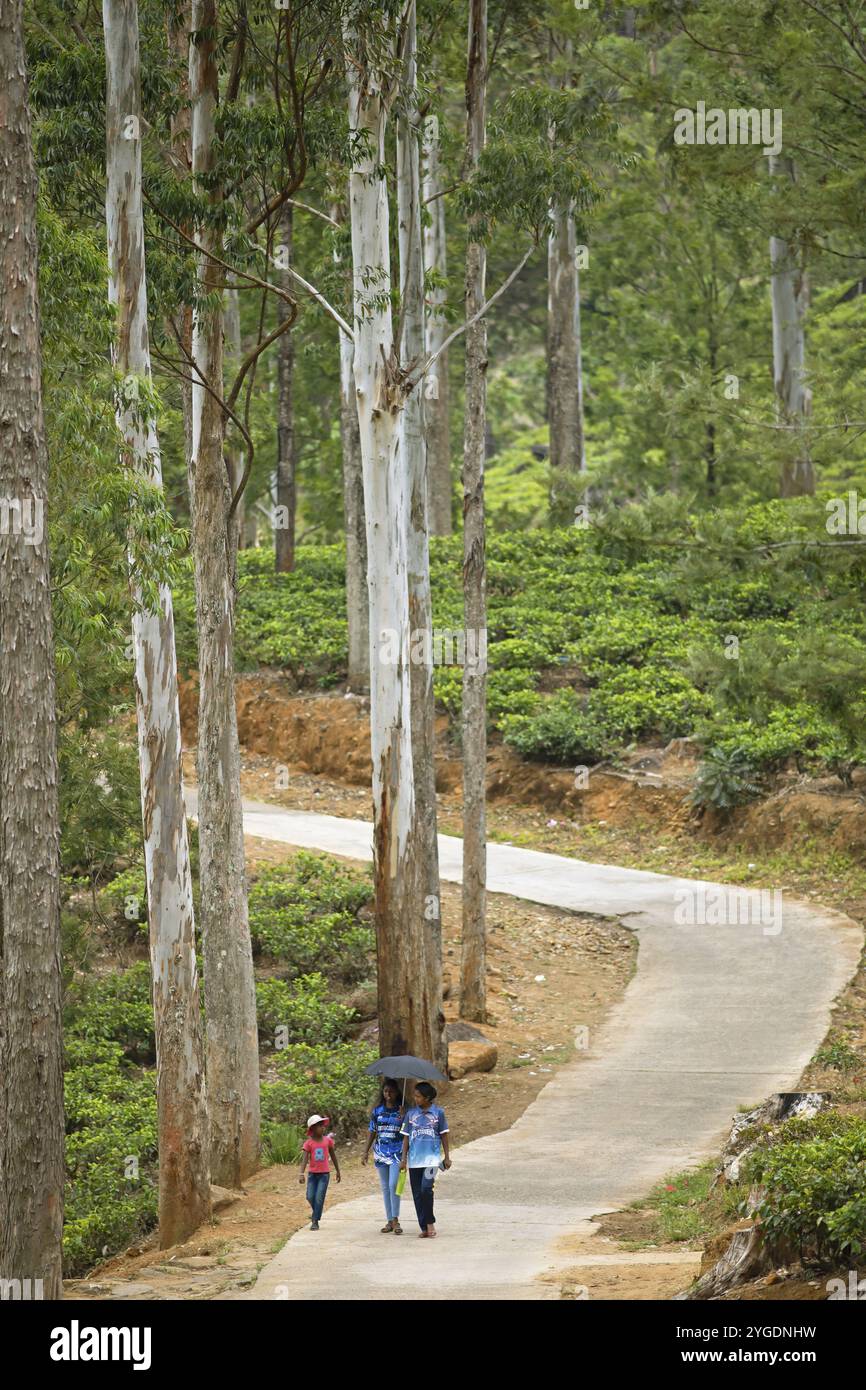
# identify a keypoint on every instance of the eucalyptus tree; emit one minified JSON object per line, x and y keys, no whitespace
{"x":284,"y":528}
{"x":31,"y":1061}
{"x":789,"y":294}
{"x":413,"y":443}
{"x":409,"y":1004}
{"x":379,"y":53}
{"x":474,"y":708}
{"x":184,"y":1170}
{"x":565,"y":387}
{"x":436,"y":392}
{"x":802,"y":65}
{"x":232,"y":1038}
{"x":249,"y":158}
{"x":357,"y":601}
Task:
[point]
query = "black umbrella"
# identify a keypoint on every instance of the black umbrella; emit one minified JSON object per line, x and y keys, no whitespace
{"x":405,"y":1068}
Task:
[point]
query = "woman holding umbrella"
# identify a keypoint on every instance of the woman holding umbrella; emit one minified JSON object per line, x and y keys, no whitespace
{"x":386,"y":1142}
{"x":428,"y":1128}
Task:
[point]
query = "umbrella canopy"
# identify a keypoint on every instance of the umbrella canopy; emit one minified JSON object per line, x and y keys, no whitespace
{"x":414,"y":1068}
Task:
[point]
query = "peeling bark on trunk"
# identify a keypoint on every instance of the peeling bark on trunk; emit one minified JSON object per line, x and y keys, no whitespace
{"x":31,"y":1067}
{"x":473,"y":987}
{"x":284,"y":531}
{"x":790,"y":298}
{"x":232,"y":1039}
{"x":184,"y":1190}
{"x":357,"y":598}
{"x":409,"y":1014}
{"x":415,"y":469}
{"x":436,"y":414}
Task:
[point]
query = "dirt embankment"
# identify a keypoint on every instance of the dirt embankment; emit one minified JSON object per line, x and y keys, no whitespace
{"x":322,"y":734}
{"x":328,"y":735}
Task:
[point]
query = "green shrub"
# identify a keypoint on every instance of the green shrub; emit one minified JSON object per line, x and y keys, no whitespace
{"x":282,"y":1143}
{"x":111,"y":1147}
{"x":305,"y":916}
{"x":645,"y":624}
{"x":301,"y":1007}
{"x":100,"y":806}
{"x":814,"y":1175}
{"x":725,"y":779}
{"x":114,"y":1008}
{"x":329,"y":1079}
{"x":797,"y":733}
{"x":560,"y":730}
{"x":839,"y":1055}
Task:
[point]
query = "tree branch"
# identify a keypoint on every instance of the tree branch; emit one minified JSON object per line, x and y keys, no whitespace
{"x":320,"y":299}
{"x":255,"y":353}
{"x":211,"y":255}
{"x":422,"y":371}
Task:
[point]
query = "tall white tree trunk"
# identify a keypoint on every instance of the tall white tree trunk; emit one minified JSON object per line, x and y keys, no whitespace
{"x":284,"y":530}
{"x":184,"y":1190}
{"x":409,"y":1018}
{"x":31,"y":1048}
{"x":414,"y":446}
{"x":436,"y":413}
{"x":473,"y":990}
{"x":357,"y":598}
{"x":789,"y":288}
{"x":232,"y":1040}
{"x":564,"y":364}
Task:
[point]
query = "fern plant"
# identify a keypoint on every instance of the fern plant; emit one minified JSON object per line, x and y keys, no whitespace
{"x":726,"y":779}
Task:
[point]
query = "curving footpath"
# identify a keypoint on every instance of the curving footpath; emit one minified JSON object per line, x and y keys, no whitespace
{"x":716,"y":1017}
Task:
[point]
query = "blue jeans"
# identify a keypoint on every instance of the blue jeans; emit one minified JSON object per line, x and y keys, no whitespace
{"x":423,"y":1181}
{"x":317,"y":1186}
{"x":388,"y":1175}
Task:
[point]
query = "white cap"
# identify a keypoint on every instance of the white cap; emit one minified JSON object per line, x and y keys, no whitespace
{"x":316,"y":1120}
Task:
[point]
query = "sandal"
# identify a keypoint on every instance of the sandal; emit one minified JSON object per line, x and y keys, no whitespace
{"x":397,"y":1228}
{"x":386,"y":1230}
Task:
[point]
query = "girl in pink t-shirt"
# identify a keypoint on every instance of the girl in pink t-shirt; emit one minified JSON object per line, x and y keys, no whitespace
{"x":318,"y":1150}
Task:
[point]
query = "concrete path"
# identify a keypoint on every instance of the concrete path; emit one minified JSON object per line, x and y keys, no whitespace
{"x":717,"y":1016}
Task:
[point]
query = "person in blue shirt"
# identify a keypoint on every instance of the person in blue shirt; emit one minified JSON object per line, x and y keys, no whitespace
{"x":425,"y":1150}
{"x":387,"y":1145}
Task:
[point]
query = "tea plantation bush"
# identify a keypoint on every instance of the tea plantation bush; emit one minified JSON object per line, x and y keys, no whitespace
{"x":111,"y":1178}
{"x":305,"y":915}
{"x":302,"y":1010}
{"x":814,"y":1174}
{"x":325,"y":1078}
{"x":633,"y":618}
{"x":115,"y":1008}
